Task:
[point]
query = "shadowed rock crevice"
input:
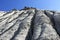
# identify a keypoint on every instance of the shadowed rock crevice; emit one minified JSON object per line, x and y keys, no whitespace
{"x":8,"y":29}
{"x":16,"y":33}
{"x":51,"y":16}
{"x":30,"y":33}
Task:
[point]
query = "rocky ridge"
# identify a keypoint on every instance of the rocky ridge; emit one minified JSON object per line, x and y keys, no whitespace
{"x":30,"y":24}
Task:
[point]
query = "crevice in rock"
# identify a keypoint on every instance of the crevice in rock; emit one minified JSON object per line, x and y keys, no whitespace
{"x":30,"y":33}
{"x":17,"y":17}
{"x":16,"y":33}
{"x":53,"y":21}
{"x":51,"y":18}
{"x":55,"y":26}
{"x":8,"y":29}
{"x":52,"y":12}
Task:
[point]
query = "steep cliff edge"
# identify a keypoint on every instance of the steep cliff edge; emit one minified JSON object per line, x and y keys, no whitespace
{"x":30,"y":24}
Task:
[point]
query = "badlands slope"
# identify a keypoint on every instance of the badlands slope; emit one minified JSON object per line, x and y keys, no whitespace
{"x":30,"y":24}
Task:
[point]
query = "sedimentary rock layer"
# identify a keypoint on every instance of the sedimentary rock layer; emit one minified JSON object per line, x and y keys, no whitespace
{"x":30,"y":24}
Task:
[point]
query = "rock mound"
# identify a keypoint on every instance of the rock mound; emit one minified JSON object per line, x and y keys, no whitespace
{"x":30,"y":24}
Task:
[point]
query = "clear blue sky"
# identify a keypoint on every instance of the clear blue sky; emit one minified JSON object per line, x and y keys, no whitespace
{"x":19,"y":4}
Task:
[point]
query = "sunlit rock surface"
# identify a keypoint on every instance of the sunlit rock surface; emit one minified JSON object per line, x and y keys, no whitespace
{"x":30,"y":24}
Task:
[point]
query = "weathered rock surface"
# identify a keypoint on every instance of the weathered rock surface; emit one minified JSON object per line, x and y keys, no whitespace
{"x":30,"y":24}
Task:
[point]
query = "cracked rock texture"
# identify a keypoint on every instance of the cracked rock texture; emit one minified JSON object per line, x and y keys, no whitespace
{"x":29,"y":24}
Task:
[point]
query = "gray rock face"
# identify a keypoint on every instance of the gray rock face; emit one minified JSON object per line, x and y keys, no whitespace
{"x":30,"y":24}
